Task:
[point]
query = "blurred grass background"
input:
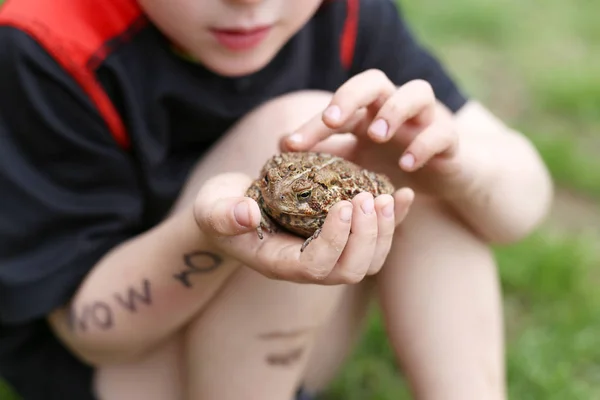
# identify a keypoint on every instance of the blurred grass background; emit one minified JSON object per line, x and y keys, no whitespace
{"x":536,"y":64}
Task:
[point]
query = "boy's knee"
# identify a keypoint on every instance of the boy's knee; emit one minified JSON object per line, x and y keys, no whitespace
{"x":297,"y":102}
{"x":430,"y":220}
{"x":288,"y":111}
{"x":255,"y":138}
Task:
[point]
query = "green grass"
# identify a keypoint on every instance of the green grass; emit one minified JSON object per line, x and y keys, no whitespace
{"x":6,"y":393}
{"x":537,"y":65}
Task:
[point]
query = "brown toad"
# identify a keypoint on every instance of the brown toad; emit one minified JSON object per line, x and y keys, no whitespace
{"x":296,"y":190}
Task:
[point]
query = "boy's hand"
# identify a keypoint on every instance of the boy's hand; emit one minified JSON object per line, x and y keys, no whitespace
{"x":371,"y":107}
{"x":352,"y":244}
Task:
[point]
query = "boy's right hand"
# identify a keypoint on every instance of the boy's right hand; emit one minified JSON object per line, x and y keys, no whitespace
{"x":351,"y":245}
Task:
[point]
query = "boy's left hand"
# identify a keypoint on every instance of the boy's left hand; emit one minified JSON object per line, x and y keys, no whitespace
{"x":425,"y":141}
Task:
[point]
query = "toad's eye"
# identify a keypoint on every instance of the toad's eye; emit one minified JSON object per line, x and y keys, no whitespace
{"x":304,"y":195}
{"x":266,"y":178}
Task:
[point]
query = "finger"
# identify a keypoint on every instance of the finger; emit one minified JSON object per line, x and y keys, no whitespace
{"x":413,"y":101}
{"x":356,"y":258}
{"x":344,"y":145}
{"x":360,"y":91}
{"x":221,"y":209}
{"x":403,"y":199}
{"x":323,"y":253}
{"x":315,"y":131}
{"x":384,"y":207}
{"x":350,"y":110}
{"x":439,"y":138}
{"x":401,"y":202}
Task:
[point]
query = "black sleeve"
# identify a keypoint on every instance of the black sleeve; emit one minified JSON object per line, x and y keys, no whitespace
{"x":68,"y":193}
{"x":385,"y":42}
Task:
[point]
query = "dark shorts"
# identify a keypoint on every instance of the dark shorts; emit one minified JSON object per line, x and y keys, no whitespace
{"x":301,"y":394}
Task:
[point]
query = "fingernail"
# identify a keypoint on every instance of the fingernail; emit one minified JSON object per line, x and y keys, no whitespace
{"x":368,"y":205}
{"x":295,"y":138}
{"x":380,"y":128}
{"x":242,"y":213}
{"x":346,"y":213}
{"x":407,"y":160}
{"x":333,"y":113}
{"x":388,"y":210}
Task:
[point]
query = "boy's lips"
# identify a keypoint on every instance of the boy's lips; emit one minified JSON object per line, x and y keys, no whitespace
{"x":239,"y":39}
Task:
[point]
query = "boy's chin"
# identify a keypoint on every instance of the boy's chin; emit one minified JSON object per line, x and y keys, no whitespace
{"x":237,"y":65}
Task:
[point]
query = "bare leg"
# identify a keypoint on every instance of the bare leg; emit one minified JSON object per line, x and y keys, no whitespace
{"x":441,"y":300}
{"x":158,"y":376}
{"x":335,"y":341}
{"x":252,"y":340}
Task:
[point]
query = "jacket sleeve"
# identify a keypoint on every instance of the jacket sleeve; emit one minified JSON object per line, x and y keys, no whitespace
{"x":68,"y":193}
{"x":385,"y":42}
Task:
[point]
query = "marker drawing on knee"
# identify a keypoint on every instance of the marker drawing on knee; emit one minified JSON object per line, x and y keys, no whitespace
{"x":285,"y":359}
{"x":273,"y":335}
{"x":290,"y":357}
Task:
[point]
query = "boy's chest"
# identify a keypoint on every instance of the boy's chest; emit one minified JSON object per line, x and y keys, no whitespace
{"x":170,"y":104}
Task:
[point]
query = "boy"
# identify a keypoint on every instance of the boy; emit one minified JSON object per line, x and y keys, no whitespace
{"x":129,"y":263}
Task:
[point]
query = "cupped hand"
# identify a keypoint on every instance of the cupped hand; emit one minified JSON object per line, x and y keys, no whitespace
{"x":354,"y":241}
{"x":420,"y":137}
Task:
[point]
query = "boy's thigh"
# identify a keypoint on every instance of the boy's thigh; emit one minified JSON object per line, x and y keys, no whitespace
{"x":159,"y":375}
{"x":258,"y":333}
{"x":245,"y":148}
{"x":434,"y":248}
{"x":440,"y":289}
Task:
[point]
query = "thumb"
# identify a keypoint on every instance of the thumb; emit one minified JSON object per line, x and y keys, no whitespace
{"x":221,"y":209}
{"x":229,"y":217}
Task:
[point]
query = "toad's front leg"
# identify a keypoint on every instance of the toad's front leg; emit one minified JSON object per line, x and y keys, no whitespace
{"x":310,"y":239}
{"x":318,"y":224}
{"x":266,"y":223}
